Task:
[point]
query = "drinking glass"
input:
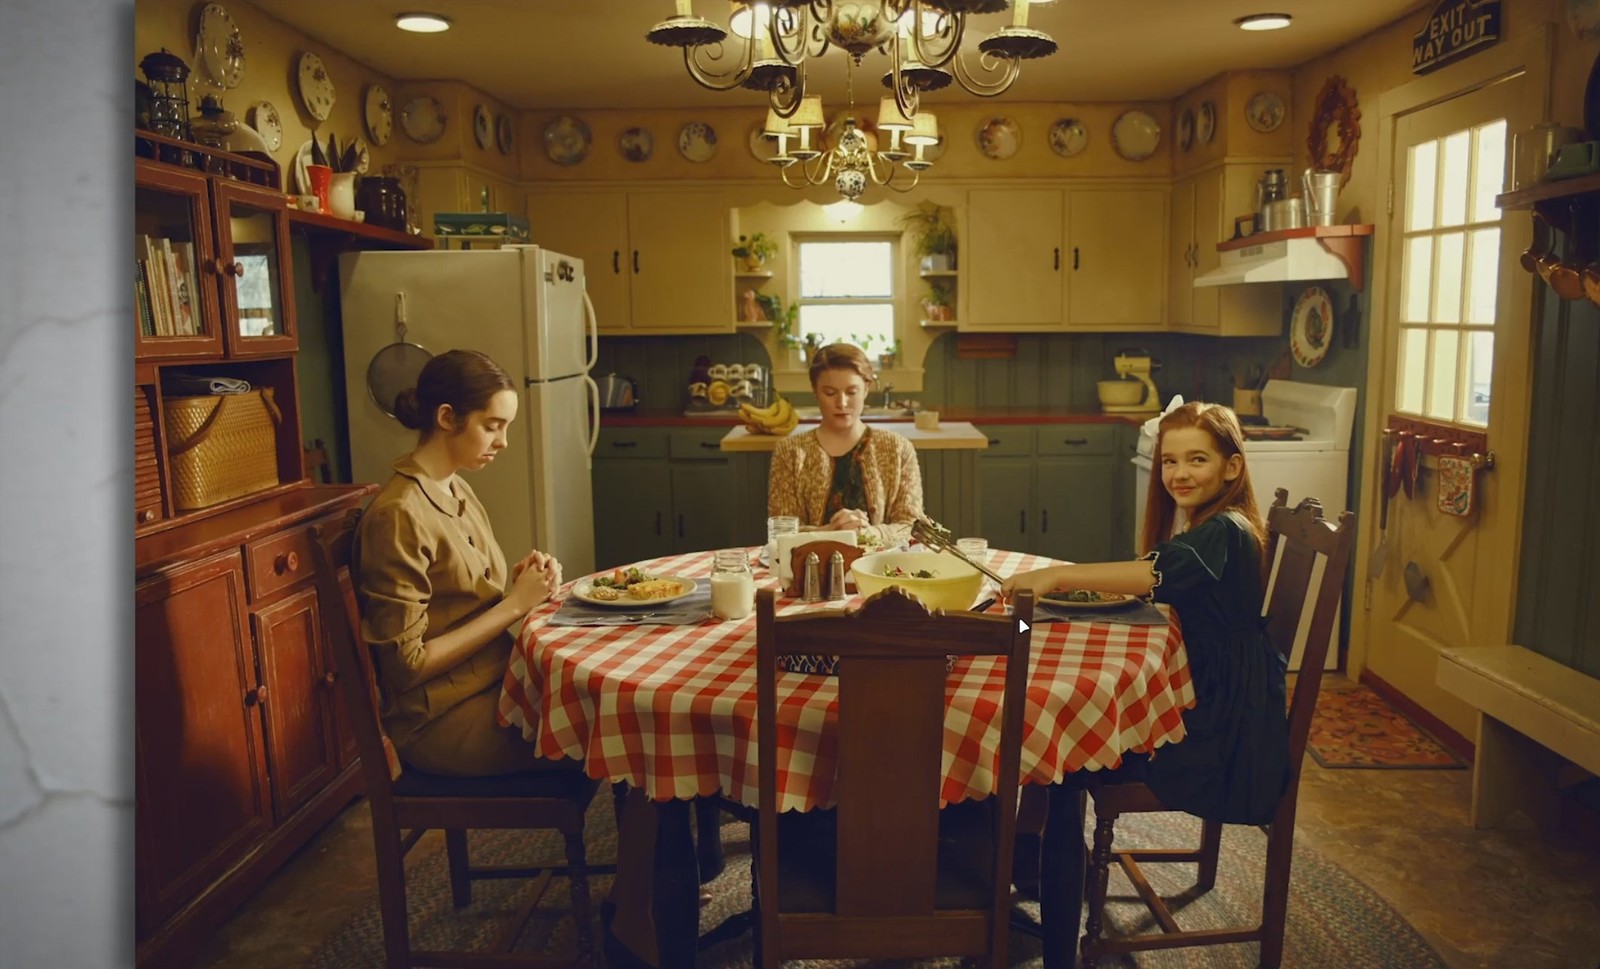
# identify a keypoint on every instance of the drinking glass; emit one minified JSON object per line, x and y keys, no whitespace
{"x":779,"y":525}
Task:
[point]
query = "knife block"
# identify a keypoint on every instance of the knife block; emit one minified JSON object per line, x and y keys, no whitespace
{"x":824,"y":550}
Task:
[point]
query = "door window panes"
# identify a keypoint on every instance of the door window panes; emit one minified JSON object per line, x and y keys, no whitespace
{"x":1449,"y":274}
{"x":255,"y":281}
{"x":847,"y":291}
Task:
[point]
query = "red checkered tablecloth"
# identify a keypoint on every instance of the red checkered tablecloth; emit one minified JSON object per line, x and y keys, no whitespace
{"x":672,"y":709}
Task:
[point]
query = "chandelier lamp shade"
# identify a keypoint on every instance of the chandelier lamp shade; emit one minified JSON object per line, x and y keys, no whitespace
{"x":922,"y":39}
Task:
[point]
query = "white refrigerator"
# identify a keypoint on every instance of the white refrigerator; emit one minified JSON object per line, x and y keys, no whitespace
{"x":525,"y":307}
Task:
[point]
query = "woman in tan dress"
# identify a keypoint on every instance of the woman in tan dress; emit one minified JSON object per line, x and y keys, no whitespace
{"x":437,"y":601}
{"x":845,"y":475}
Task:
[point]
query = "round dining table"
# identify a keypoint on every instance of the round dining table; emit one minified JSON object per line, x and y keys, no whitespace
{"x":668,"y":706}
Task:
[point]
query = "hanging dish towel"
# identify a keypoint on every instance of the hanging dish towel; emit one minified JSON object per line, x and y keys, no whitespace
{"x":1458,"y":485}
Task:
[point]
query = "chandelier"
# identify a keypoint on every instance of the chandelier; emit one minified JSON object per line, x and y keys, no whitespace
{"x":922,"y":39}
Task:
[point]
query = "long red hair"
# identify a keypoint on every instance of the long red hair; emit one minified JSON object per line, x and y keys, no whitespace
{"x":1223,"y":426}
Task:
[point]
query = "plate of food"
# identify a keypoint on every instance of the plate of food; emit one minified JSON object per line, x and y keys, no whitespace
{"x":631,"y":588}
{"x":1084,"y":600}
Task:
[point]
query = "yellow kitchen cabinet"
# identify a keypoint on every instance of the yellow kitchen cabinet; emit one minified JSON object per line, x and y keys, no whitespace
{"x":656,"y":262}
{"x":1204,"y":206}
{"x":1082,"y":259}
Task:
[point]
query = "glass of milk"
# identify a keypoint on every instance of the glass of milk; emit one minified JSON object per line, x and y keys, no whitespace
{"x":733,"y":586}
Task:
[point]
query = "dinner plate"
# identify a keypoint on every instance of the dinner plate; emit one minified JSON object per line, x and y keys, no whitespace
{"x":1205,"y":124}
{"x":482,"y":126}
{"x":1107,"y":601}
{"x":566,"y":140}
{"x":636,"y":144}
{"x":1265,"y":111}
{"x":302,"y":158}
{"x":697,"y":141}
{"x":264,"y":118}
{"x":1186,"y":129}
{"x":582,"y":591}
{"x":999,"y":138}
{"x":316,"y":86}
{"x":1311,"y":327}
{"x":423,"y":119}
{"x":1068,"y":136}
{"x":1135,"y":135}
{"x":363,"y":155}
{"x":503,"y":133}
{"x":378,"y":113}
{"x":221,"y":48}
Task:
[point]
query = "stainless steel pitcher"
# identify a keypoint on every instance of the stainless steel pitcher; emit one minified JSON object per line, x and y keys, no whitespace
{"x":1322,"y":196}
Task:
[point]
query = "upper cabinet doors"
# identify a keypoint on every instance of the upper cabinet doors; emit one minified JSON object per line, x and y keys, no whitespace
{"x":252,"y":252}
{"x":1013,"y":258}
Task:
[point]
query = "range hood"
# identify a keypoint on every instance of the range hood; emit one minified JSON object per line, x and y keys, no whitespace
{"x":1324,"y":252}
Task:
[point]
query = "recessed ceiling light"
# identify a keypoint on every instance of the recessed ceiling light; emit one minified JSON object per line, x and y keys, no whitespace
{"x":1263,"y":21}
{"x":422,"y":23}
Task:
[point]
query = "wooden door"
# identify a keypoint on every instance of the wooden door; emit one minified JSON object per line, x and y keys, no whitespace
{"x":302,"y":753}
{"x":1180,"y":254}
{"x":1454,"y":329}
{"x":1208,"y":218}
{"x":594,"y":227}
{"x":201,"y":796}
{"x":1014,"y":258}
{"x":678,"y":255}
{"x":1117,"y":257}
{"x":252,"y":268}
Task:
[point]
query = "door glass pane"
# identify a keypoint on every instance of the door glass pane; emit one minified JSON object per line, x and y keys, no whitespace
{"x":1418,"y":273}
{"x":1484,"y":278}
{"x":1447,"y":288}
{"x":1479,"y":368}
{"x":1413,"y":369}
{"x":1453,"y":200}
{"x":1424,"y":159}
{"x":255,"y":251}
{"x":167,"y":272}
{"x":1442,"y":385}
{"x":1489,"y":170}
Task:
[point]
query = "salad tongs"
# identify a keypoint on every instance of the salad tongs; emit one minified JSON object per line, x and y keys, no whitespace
{"x":937,"y":537}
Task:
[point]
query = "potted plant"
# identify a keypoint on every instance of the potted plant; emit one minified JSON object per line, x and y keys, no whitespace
{"x":783,"y":320}
{"x":755,"y":249}
{"x":888,"y":354}
{"x":933,"y":236}
{"x":938,"y":304}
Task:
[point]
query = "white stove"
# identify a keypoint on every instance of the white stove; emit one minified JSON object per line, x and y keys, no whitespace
{"x":1315,"y":466}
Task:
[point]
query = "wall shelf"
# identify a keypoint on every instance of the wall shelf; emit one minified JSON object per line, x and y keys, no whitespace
{"x":938,"y":273}
{"x":1558,"y":203}
{"x":763,"y":274}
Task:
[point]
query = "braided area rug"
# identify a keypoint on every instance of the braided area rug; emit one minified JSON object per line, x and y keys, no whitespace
{"x":1334,"y":920}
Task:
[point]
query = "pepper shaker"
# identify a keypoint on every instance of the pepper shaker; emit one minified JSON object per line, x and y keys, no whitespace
{"x":813,"y":580}
{"x":836,"y":576}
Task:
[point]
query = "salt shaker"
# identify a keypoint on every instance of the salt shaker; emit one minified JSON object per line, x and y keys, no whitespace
{"x":836,"y":576}
{"x":813,"y":580}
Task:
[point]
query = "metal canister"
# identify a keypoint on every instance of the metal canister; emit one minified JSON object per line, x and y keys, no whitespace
{"x":813,"y":579}
{"x":836,"y":575}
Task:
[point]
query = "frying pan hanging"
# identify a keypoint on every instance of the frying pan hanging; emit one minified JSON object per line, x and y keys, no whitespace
{"x":395,"y":367}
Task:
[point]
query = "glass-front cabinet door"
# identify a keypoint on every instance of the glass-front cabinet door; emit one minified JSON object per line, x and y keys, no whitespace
{"x":175,"y":300}
{"x":252,"y":248}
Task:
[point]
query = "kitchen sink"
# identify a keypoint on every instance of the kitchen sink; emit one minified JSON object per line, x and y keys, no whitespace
{"x":869,"y":414}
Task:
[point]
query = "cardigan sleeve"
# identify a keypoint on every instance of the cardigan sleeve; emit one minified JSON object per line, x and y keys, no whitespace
{"x":783,"y":482}
{"x":902,"y":487}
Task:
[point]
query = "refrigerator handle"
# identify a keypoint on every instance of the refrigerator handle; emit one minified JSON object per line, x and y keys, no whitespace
{"x":594,"y":425}
{"x":591,"y":323}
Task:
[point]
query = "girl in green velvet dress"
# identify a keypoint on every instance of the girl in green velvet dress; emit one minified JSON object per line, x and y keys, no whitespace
{"x":1233,"y":763}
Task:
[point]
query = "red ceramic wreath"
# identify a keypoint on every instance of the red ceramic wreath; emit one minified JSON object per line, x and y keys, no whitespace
{"x":1335,"y":105}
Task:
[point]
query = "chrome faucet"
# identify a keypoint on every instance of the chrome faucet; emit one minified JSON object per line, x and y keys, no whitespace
{"x":886,"y":389}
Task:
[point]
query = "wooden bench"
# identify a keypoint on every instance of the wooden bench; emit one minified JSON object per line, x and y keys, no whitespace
{"x":1536,"y":718}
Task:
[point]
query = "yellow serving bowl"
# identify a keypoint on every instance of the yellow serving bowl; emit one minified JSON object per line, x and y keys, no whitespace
{"x":954,"y":589}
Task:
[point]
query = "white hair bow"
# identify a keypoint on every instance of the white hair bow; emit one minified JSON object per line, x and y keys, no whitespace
{"x":1152,"y":426}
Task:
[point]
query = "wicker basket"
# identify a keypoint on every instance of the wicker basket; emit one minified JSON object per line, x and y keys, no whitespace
{"x":221,"y":446}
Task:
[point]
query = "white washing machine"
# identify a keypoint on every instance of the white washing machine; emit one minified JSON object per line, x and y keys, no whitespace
{"x":1313,"y":464}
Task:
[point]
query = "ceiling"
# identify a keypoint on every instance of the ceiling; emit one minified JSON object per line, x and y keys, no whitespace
{"x":593,"y":53}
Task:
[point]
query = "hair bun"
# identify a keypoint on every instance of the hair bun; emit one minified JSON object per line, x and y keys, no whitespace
{"x":407,"y":410}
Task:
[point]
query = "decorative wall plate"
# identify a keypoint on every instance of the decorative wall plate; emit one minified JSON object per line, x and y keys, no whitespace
{"x":566,"y":140}
{"x":504,"y":133}
{"x":636,"y":144}
{"x":1068,"y":136}
{"x":762,"y":147}
{"x":835,"y":130}
{"x":363,"y":155}
{"x":1205,"y":123}
{"x":935,"y":151}
{"x":423,"y":119}
{"x":1583,"y":16}
{"x":697,"y":141}
{"x":377,"y":111}
{"x":1135,"y":135}
{"x":999,"y":138}
{"x":264,"y":118}
{"x":302,"y":158}
{"x":1186,"y":129}
{"x":221,"y":48}
{"x":482,"y":126}
{"x":316,"y":87}
{"x":1265,"y":112}
{"x":1311,"y":327}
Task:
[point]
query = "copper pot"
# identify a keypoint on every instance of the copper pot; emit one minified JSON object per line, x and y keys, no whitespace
{"x":1591,"y":282}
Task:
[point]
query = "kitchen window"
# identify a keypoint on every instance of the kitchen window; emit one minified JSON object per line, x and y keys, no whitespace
{"x":847,"y":291}
{"x":1450,"y":266}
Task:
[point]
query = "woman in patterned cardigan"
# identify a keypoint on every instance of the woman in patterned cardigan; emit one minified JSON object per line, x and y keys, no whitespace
{"x":845,"y":475}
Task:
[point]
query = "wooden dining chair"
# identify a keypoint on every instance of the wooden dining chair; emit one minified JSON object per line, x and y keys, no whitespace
{"x":318,"y":467}
{"x":404,"y":798}
{"x":899,"y":878}
{"x":1295,"y":539}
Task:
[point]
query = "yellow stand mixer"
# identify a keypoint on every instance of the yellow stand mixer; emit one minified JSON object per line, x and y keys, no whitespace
{"x":1131,"y":396}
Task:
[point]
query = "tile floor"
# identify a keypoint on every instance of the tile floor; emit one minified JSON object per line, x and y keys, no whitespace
{"x":1513,"y":898}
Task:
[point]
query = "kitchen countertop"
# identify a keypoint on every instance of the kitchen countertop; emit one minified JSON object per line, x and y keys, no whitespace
{"x":950,"y":436}
{"x":976,"y":415}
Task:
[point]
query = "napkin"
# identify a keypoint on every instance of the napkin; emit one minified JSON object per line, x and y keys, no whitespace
{"x":786,"y":544}
{"x":692,"y":608}
{"x":1144,"y":614}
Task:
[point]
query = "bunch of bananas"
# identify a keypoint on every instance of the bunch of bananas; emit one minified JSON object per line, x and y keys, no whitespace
{"x":777,"y":417}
